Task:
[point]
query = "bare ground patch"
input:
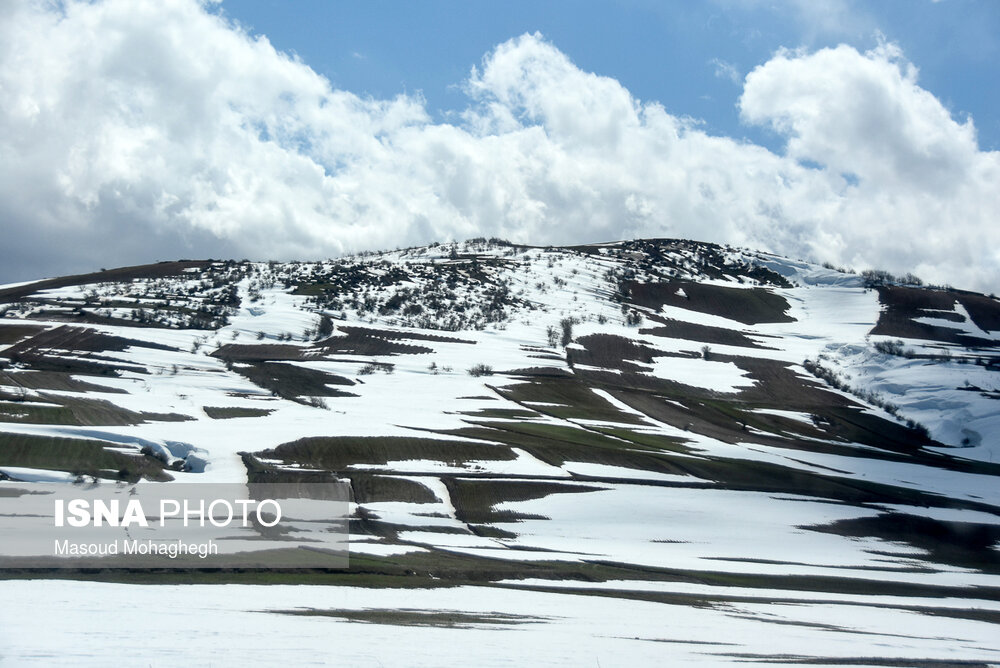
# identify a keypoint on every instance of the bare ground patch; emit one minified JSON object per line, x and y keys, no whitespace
{"x":747,"y":305}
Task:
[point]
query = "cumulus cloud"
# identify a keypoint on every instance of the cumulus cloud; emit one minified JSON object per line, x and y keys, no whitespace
{"x":132,"y":132}
{"x":918,"y":193}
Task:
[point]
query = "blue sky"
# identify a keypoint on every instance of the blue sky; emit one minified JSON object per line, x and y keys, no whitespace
{"x":862,"y":134}
{"x":681,"y":54}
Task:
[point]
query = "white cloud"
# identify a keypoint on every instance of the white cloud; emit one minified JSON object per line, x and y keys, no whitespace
{"x":132,"y":132}
{"x":925,"y":197}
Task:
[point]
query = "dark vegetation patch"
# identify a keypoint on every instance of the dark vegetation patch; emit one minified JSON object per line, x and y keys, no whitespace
{"x":728,"y":419}
{"x":540,"y":372}
{"x":392,"y":335}
{"x":366,"y":487}
{"x":961,"y":544}
{"x":737,"y":474}
{"x":989,"y":394}
{"x":654,"y":441}
{"x":839,"y":417}
{"x":554,"y":434}
{"x":13,"y":333}
{"x":448,"y":619}
{"x":430,"y":569}
{"x":723,"y":419}
{"x":489,"y":531}
{"x":904,"y":304}
{"x":73,"y":350}
{"x":49,"y":380}
{"x":504,"y":413}
{"x":236,"y":352}
{"x":81,"y":316}
{"x":465,"y":292}
{"x":838,"y":425}
{"x":735,"y":419}
{"x":677,"y":329}
{"x":950,"y":316}
{"x":227,"y":412}
{"x":77,"y":339}
{"x":161,"y":295}
{"x":842,"y":425}
{"x":165,"y":417}
{"x":576,"y":400}
{"x":77,"y":456}
{"x":17,"y":406}
{"x":356,"y":342}
{"x":122,"y":274}
{"x":93,"y":365}
{"x":612,"y":352}
{"x":747,"y":305}
{"x":293,"y":382}
{"x":556,"y":445}
{"x":265,"y":472}
{"x":364,"y":341}
{"x":377,"y":487}
{"x":475,"y":501}
{"x":984,"y":311}
{"x":338,"y":453}
{"x":642,"y":382}
{"x":436,"y":569}
{"x":672,"y":258}
{"x":72,"y":411}
{"x":368,"y":522}
{"x":345,"y":277}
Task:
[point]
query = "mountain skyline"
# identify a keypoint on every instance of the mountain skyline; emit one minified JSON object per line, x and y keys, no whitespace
{"x":140,"y":134}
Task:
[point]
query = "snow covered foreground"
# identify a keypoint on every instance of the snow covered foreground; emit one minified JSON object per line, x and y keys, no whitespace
{"x":91,"y":624}
{"x":671,"y":452}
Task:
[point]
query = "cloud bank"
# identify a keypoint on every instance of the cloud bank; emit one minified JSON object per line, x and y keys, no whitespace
{"x":138,"y":131}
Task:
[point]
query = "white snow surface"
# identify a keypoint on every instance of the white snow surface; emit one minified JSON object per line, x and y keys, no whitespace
{"x":203,"y":625}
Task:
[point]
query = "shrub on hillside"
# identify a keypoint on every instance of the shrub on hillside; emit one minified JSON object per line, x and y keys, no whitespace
{"x":890,"y":347}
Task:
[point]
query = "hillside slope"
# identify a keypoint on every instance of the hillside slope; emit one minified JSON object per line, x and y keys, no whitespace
{"x":657,"y":421}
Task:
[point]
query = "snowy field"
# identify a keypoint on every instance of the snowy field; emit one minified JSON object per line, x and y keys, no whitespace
{"x":489,"y":626}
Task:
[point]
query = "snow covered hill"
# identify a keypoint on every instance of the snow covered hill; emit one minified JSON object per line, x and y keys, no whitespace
{"x":713,"y":438}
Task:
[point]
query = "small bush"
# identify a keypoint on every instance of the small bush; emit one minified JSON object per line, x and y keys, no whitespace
{"x":325,"y":328}
{"x":890,"y":347}
{"x":317,"y":402}
{"x":873,"y":278}
{"x":553,"y":336}
{"x":567,"y":331}
{"x":481,"y":370}
{"x":374,"y":366}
